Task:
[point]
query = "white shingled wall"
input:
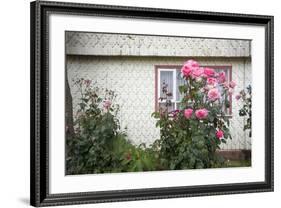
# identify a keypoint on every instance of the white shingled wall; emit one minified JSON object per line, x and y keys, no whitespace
{"x":133,"y":80}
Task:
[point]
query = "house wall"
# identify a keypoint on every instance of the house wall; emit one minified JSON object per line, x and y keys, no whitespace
{"x":133,"y":80}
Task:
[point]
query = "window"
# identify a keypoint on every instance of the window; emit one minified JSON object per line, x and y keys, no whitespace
{"x":171,"y":77}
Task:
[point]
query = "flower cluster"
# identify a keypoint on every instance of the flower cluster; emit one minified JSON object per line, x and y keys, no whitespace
{"x":211,"y":81}
{"x":192,"y":70}
{"x":200,"y":113}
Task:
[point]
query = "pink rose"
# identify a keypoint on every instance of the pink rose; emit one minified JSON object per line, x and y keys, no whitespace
{"x":87,"y":82}
{"x":208,"y":87}
{"x":188,"y":67}
{"x":219,"y":134}
{"x":230,"y":90}
{"x":213,"y":94}
{"x":193,"y":64}
{"x":197,"y":72}
{"x":209,"y":72}
{"x":221,"y":77}
{"x":225,"y":85}
{"x":188,"y":113}
{"x":232,"y":84}
{"x":201,"y":113}
{"x":237,"y":97}
{"x":106,"y":104}
{"x":211,"y":81}
{"x":186,"y":71}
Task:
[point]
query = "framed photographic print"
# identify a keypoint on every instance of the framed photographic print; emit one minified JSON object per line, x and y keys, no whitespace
{"x":132,"y":103}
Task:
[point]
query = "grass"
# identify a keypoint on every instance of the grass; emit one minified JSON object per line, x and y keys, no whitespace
{"x":237,"y":163}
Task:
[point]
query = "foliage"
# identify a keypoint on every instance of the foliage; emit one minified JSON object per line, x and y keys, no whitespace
{"x":191,"y":135}
{"x":96,"y":127}
{"x":139,"y":158}
{"x":99,"y":146}
{"x":246,"y":110}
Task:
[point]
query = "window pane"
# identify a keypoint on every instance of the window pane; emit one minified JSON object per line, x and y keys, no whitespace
{"x":166,"y":78}
{"x":180,"y":81}
{"x":178,"y":106}
{"x":170,"y":108}
{"x":226,"y":71}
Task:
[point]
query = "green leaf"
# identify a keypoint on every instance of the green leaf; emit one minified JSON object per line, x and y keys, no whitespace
{"x":183,"y":89}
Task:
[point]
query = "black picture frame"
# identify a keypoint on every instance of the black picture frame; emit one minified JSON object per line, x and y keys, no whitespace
{"x":39,"y":187}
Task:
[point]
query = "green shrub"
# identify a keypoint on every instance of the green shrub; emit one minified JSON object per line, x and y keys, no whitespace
{"x":99,"y":146}
{"x":90,"y":150}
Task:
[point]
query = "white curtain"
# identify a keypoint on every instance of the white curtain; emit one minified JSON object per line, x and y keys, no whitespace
{"x":221,"y":88}
{"x":180,"y":81}
{"x":167,"y":78}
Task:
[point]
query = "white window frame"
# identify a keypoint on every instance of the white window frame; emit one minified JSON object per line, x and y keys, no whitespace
{"x":174,"y":100}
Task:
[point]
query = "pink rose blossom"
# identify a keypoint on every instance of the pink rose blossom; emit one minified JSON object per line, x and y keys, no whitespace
{"x":201,"y":113}
{"x":225,"y":85}
{"x":209,"y":72}
{"x":221,"y":77}
{"x":211,"y":81}
{"x":232,"y":84}
{"x":186,"y":71}
{"x":106,"y":104}
{"x":219,"y":134}
{"x":87,"y":82}
{"x":193,"y":64}
{"x":213,"y":94}
{"x":230,"y":90}
{"x":188,"y":113}
{"x":208,"y":87}
{"x":188,"y":67}
{"x":197,"y":72}
{"x":237,"y":97}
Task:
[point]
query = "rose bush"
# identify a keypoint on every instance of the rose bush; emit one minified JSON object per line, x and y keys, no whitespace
{"x":191,"y":135}
{"x":96,"y":128}
{"x":246,"y":110}
{"x":98,"y":145}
